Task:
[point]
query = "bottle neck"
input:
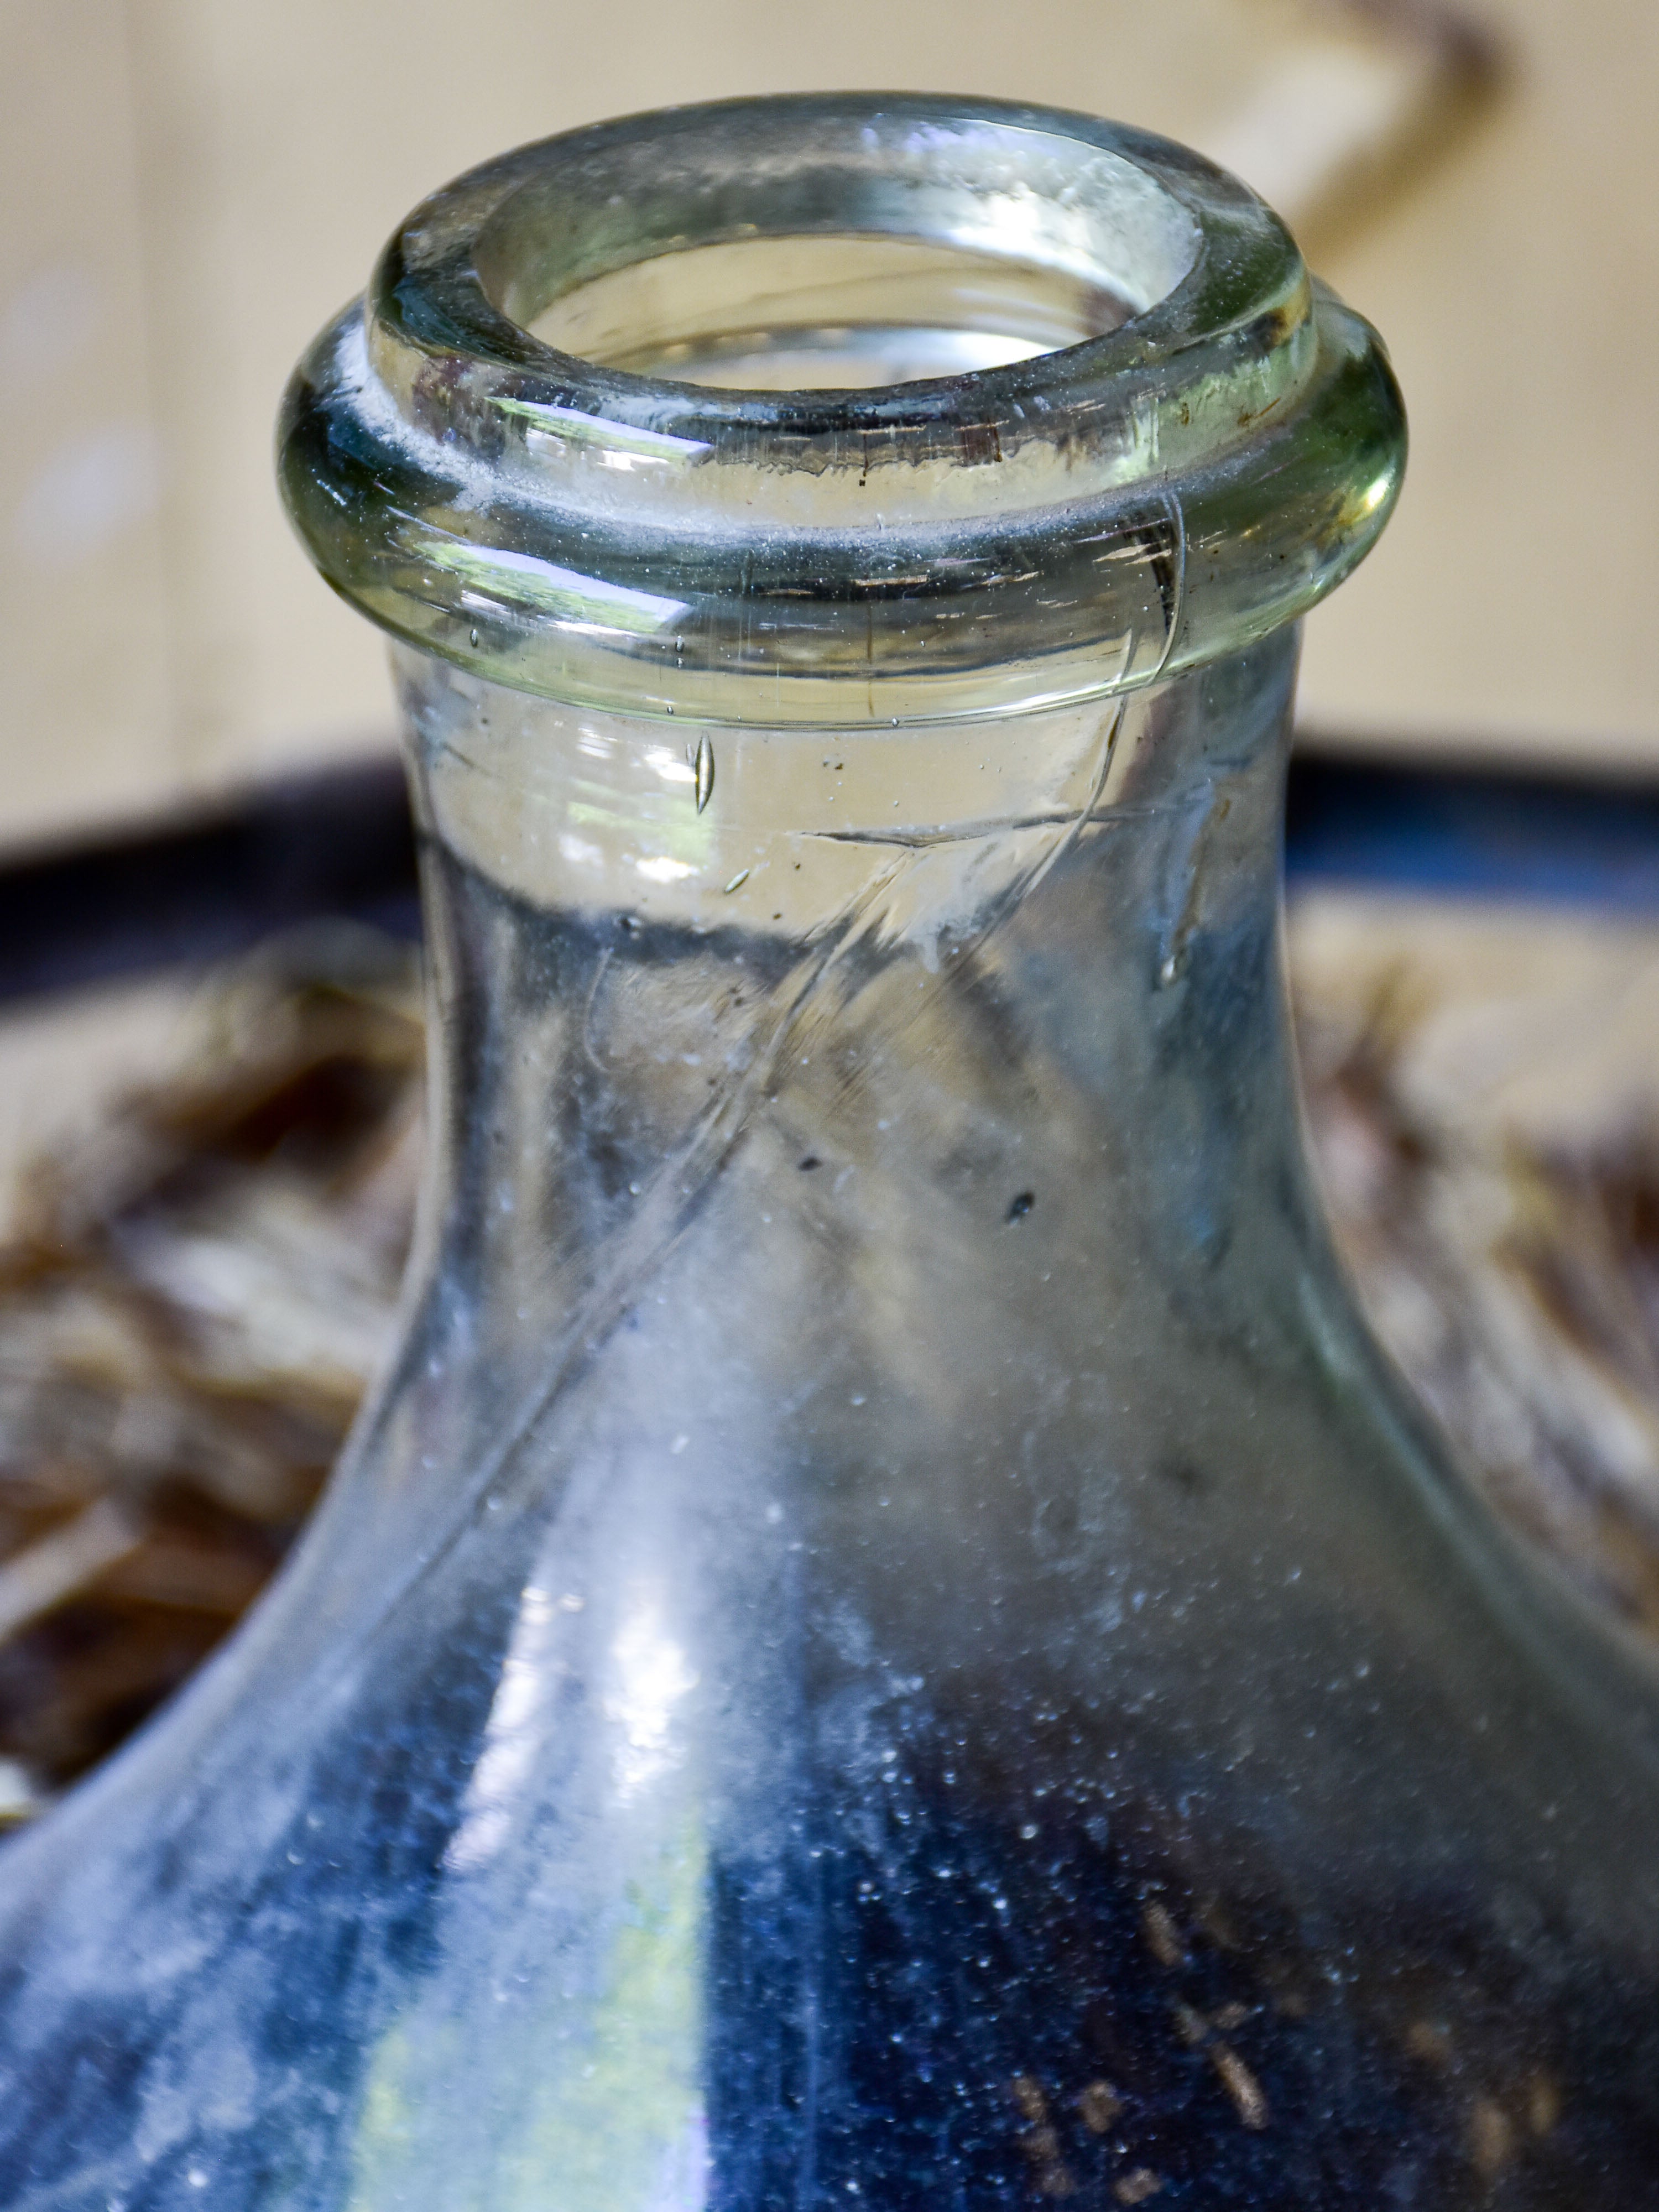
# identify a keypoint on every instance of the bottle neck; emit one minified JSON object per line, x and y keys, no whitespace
{"x":657,"y":950}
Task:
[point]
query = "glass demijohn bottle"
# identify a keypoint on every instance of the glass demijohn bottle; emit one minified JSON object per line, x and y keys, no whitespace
{"x":889,"y":1640}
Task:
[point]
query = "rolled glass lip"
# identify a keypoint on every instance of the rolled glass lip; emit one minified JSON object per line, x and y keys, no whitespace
{"x":1067,"y":527}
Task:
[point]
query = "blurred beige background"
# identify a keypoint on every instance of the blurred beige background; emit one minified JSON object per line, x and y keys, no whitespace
{"x":192,"y":186}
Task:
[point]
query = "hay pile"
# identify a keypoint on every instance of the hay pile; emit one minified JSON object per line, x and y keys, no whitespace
{"x":193,"y":1297}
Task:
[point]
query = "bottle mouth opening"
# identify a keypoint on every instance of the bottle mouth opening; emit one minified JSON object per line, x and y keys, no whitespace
{"x":841,"y":409}
{"x":779,"y":257}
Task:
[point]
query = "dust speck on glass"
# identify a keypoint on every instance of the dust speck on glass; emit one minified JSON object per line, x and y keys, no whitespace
{"x":888,"y":1637}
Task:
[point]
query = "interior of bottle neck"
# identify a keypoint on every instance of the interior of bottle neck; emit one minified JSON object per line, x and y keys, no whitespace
{"x":825,"y":313}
